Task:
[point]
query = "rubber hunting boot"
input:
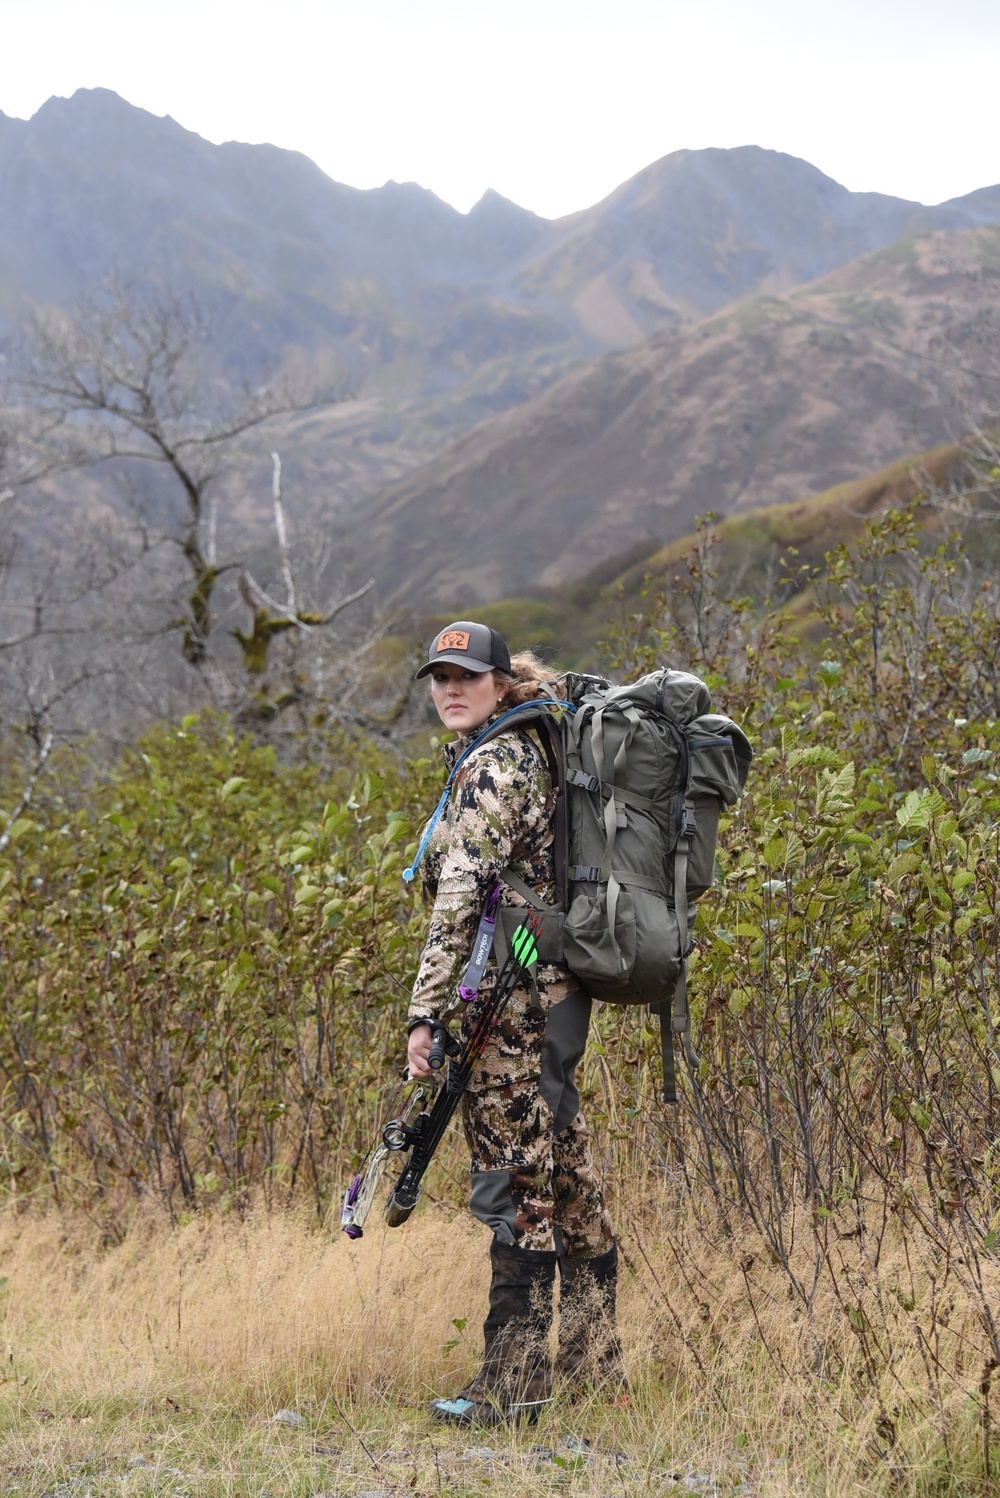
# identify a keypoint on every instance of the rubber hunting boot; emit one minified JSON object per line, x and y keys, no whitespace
{"x":515,"y":1380}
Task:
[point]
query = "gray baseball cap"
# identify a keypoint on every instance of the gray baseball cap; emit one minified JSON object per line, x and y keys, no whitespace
{"x":474,"y":646}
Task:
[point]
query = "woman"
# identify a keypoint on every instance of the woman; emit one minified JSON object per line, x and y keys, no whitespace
{"x":533,"y":1179}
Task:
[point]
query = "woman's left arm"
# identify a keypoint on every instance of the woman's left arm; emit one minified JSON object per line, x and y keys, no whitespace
{"x":498,"y":796}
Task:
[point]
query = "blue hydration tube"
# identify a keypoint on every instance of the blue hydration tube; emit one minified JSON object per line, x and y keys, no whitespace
{"x":523,"y":709}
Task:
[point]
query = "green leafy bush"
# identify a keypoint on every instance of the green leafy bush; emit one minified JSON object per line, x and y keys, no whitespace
{"x":203,"y":965}
{"x":844,"y":1114}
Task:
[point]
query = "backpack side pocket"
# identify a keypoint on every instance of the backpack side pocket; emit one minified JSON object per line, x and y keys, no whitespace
{"x":719,"y":758}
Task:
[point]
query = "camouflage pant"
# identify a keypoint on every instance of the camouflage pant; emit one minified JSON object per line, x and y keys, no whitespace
{"x":533,"y":1178}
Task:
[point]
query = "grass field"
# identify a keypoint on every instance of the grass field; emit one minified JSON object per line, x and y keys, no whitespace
{"x":262,"y":1357}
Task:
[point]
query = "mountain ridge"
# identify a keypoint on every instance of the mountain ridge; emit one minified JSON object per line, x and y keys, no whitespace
{"x":442,"y":320}
{"x":690,"y":232}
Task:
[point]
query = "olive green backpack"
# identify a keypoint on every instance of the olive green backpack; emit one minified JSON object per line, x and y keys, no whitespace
{"x":641,"y":774}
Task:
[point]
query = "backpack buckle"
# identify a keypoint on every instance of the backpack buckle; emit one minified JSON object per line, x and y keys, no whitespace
{"x":689,"y":822}
{"x":585,"y":781}
{"x":587,"y":873}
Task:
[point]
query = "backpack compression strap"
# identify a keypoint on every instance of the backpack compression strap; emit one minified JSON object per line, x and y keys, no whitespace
{"x":612,"y":810}
{"x":679,"y":1013}
{"x":675,"y":1018}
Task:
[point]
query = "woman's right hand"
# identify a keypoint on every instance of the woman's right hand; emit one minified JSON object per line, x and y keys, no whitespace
{"x":418,"y":1048}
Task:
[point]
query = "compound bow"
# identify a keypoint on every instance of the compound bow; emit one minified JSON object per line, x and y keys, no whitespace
{"x":414,"y":1134}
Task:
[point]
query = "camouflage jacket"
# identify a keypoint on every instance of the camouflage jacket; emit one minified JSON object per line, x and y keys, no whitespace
{"x":499,"y":815}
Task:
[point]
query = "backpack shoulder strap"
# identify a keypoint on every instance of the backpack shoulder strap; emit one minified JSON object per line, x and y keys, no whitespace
{"x":539,"y":718}
{"x":514,"y":717}
{"x":517,"y":884}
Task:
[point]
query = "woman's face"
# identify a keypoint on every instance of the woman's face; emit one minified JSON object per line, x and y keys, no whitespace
{"x":464,"y":699}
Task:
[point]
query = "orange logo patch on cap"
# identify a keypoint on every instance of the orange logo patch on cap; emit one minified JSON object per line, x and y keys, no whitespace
{"x":454,"y":639}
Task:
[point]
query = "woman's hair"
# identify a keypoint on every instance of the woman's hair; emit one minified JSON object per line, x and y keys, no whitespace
{"x":527,"y":676}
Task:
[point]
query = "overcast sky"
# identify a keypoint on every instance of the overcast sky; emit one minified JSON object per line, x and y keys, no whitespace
{"x":551,"y":102}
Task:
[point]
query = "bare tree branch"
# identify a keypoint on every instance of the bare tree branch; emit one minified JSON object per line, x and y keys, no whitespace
{"x":129,"y":381}
{"x":972,"y":491}
{"x":279,"y":525}
{"x":42,"y":754}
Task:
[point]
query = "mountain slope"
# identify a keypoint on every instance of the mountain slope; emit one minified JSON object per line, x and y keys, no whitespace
{"x":772,"y":399}
{"x":747,"y":560}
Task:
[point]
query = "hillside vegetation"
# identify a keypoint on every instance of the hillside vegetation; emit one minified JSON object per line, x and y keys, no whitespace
{"x":204,"y":957}
{"x":775,"y":556}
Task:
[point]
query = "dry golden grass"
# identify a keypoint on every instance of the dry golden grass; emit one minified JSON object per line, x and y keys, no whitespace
{"x":175,"y":1350}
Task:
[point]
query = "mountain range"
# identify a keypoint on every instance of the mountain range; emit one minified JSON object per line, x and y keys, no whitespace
{"x":529,"y":393}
